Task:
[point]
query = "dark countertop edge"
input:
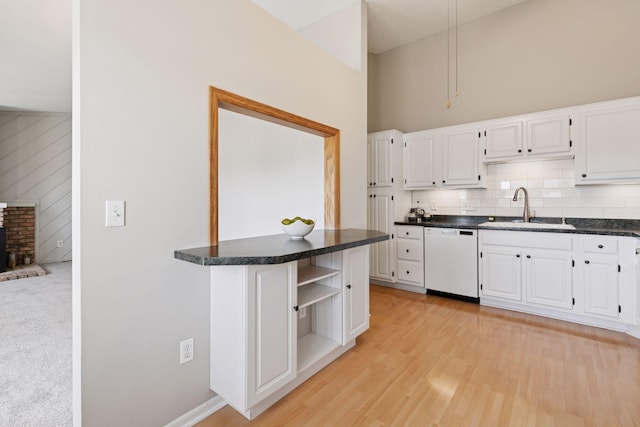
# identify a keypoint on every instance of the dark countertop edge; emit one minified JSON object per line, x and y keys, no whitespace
{"x":472,"y":223}
{"x":183,"y":254}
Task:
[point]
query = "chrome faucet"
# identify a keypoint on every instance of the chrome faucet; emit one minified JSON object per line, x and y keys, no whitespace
{"x":526,"y":215}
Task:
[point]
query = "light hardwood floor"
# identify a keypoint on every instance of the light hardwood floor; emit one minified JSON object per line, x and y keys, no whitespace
{"x":431,"y":361}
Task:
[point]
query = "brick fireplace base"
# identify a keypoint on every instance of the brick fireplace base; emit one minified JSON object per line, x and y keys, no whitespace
{"x":20,"y":226}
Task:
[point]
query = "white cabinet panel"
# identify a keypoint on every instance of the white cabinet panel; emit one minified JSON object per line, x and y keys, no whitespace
{"x":503,"y":140}
{"x":608,"y":143}
{"x":272,"y":333}
{"x":411,"y":250}
{"x":501,"y":272}
{"x":356,"y":292}
{"x":548,"y":134}
{"x":379,"y":153}
{"x":601,"y":286}
{"x":421,"y":160}
{"x":549,"y":278}
{"x":380,"y":211}
{"x":461,"y":151}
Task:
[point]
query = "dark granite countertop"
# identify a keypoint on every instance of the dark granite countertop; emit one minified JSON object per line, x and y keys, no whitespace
{"x":279,"y":248}
{"x":608,"y":227}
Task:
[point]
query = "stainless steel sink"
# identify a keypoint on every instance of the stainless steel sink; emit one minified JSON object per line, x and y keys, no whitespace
{"x":530,"y":225}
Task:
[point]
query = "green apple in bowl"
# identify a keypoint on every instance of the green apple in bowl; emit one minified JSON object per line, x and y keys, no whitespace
{"x":297,"y":227}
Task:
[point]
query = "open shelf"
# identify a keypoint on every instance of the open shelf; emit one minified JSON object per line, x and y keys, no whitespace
{"x":313,"y":347}
{"x":313,"y":292}
{"x":311,"y":273}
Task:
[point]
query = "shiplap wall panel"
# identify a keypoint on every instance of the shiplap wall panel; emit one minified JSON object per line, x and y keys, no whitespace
{"x":35,"y":166}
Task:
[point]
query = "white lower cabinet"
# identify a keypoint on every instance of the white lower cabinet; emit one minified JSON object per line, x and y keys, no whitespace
{"x":501,"y":272}
{"x":583,"y":278}
{"x":356,"y":292}
{"x":273,"y":326}
{"x":549,"y":278}
{"x":410,"y":250}
{"x":528,"y":268}
{"x":272,"y":343}
{"x":601,"y":286}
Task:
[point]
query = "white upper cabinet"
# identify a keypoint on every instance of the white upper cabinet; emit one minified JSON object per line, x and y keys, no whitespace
{"x":503,"y":140}
{"x":549,"y":134}
{"x":380,"y":158}
{"x":530,"y":137}
{"x":447,"y":157}
{"x":461,"y":158}
{"x":421,"y":170}
{"x":608,"y":143}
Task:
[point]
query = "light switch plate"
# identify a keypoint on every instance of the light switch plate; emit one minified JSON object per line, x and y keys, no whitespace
{"x":114,"y":214}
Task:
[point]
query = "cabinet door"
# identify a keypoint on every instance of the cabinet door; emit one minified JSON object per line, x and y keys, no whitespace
{"x":379,"y":154}
{"x":272,"y":343}
{"x":422,"y":160}
{"x":501,"y":272}
{"x":381,"y":211}
{"x":548,"y":135}
{"x":549,"y":278}
{"x":460,"y":158}
{"x":607,"y":148}
{"x":601,"y":286}
{"x":503,"y":141}
{"x":355,"y":270}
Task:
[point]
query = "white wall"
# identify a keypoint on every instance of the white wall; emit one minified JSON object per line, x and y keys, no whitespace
{"x":266,"y":172}
{"x":144,"y":71}
{"x":537,"y":55}
{"x":35,"y":167}
{"x":551,"y":190}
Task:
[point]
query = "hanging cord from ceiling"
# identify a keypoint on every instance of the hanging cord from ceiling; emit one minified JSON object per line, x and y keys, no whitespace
{"x":449,"y":51}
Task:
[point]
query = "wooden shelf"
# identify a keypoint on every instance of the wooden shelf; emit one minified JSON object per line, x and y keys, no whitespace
{"x":313,"y":292}
{"x":313,"y":347}
{"x":311,"y":273}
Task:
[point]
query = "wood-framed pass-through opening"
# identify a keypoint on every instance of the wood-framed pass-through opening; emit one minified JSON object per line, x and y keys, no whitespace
{"x":219,"y":98}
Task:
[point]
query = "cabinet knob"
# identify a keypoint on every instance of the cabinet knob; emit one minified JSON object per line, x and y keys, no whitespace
{"x":529,"y":150}
{"x":348,"y":286}
{"x":295,"y":307}
{"x":586,"y":261}
{"x":407,"y":271}
{"x":519,"y":151}
{"x":407,"y":233}
{"x":374,"y":183}
{"x":517,"y":255}
{"x":584,"y":175}
{"x":434,"y":183}
{"x":600,"y":246}
{"x":528,"y":256}
{"x":443,"y":181}
{"x":407,"y":250}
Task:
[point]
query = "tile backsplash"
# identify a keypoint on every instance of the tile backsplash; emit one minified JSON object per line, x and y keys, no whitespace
{"x":552,"y":193}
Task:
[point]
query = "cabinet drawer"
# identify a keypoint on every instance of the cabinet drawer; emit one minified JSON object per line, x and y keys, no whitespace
{"x":411,"y":250}
{"x":410,"y":232}
{"x":600,"y":246}
{"x":411,"y":271}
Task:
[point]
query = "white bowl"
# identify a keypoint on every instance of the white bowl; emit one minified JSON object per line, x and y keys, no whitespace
{"x":298,"y":229}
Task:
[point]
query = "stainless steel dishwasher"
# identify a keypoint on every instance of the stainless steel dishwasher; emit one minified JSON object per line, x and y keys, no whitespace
{"x":451,"y":262}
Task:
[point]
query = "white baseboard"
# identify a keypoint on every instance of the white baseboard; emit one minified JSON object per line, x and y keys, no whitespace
{"x":199,"y":413}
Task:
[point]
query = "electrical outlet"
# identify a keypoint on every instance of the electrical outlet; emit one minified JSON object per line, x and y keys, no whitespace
{"x":60,"y":243}
{"x":186,"y":351}
{"x":303,"y":312}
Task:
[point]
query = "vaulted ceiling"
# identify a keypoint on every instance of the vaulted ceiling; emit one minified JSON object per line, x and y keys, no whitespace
{"x":35,"y":38}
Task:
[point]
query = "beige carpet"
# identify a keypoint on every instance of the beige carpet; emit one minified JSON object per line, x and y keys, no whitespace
{"x":35,"y":350}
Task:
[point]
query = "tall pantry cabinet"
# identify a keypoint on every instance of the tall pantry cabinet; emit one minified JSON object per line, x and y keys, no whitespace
{"x":386,"y":199}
